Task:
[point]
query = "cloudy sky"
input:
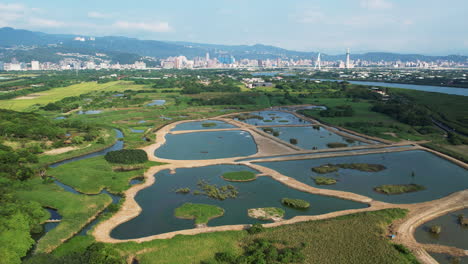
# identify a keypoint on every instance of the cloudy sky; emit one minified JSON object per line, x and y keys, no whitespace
{"x":408,"y":26}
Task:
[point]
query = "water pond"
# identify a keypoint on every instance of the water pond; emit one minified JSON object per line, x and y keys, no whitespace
{"x":157,"y":102}
{"x":452,"y":234}
{"x":90,"y":112}
{"x":425,"y":88}
{"x":207,"y":145}
{"x":198,"y":125}
{"x":274,"y":118}
{"x":117,"y":146}
{"x":447,"y":259}
{"x":159,"y":201}
{"x":309,"y":137}
{"x":439,"y":176}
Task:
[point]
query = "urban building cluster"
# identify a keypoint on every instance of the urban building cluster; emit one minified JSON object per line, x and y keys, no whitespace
{"x":76,"y":61}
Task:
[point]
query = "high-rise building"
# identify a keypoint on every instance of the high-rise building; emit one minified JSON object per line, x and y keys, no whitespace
{"x":318,"y":63}
{"x":35,"y":66}
{"x":348,"y":64}
{"x":207,"y":57}
{"x":2,"y":66}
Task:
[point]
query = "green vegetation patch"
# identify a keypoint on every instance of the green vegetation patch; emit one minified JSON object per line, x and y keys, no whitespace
{"x":127,"y":156}
{"x":324,"y":181}
{"x":76,"y":210}
{"x":239,"y":176}
{"x":94,"y":174}
{"x":210,"y":124}
{"x":202,"y":213}
{"x":399,"y":188}
{"x":346,"y":239}
{"x":244,"y":117}
{"x":336,"y":145}
{"x":295,"y":203}
{"x":267,"y":213}
{"x":183,"y":190}
{"x":366,"y":167}
{"x":215,"y":192}
{"x":264,"y":251}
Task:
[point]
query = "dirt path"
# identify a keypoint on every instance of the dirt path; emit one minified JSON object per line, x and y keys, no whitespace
{"x":269,"y":146}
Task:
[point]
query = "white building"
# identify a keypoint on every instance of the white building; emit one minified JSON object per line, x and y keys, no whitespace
{"x":35,"y":66}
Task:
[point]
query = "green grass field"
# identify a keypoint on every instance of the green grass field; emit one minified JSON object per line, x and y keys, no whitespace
{"x":94,"y":174}
{"x":62,"y":92}
{"x":75,"y":210}
{"x":358,"y":238}
{"x":202,"y":213}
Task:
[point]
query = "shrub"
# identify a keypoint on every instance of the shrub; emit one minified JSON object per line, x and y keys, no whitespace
{"x":211,"y":124}
{"x":127,"y":156}
{"x":255,"y":229}
{"x":183,"y":190}
{"x":435,"y":229}
{"x":336,"y":145}
{"x":295,"y":203}
{"x":293,"y":141}
{"x":77,"y":140}
{"x":324,"y":181}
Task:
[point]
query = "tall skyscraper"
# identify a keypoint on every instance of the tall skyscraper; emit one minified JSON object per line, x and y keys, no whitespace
{"x":207,"y":57}
{"x":318,"y":63}
{"x":348,"y":64}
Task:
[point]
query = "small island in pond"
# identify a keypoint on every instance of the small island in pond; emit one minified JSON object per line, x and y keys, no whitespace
{"x":267,"y":213}
{"x":295,"y":203}
{"x":398,"y":188}
{"x":209,"y":124}
{"x":239,"y":176}
{"x":202,"y":213}
{"x":324,"y":181}
{"x":366,"y":167}
{"x":337,"y":145}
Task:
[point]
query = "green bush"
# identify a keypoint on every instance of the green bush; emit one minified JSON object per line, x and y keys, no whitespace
{"x":211,"y":124}
{"x":127,"y":156}
{"x":295,"y":203}
{"x":324,"y":181}
{"x":293,"y":141}
{"x":255,"y":229}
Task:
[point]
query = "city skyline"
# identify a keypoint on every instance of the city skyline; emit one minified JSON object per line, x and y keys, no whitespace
{"x":362,"y":25}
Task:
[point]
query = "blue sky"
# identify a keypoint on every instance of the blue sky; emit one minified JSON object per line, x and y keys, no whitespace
{"x":330,"y":26}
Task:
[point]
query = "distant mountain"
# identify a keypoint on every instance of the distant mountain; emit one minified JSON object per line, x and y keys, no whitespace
{"x":124,"y":49}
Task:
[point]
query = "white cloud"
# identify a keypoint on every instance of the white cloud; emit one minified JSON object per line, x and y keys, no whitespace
{"x":95,"y":14}
{"x":376,"y":4}
{"x":42,"y":22}
{"x":12,"y":7}
{"x":144,"y":26}
{"x":311,"y":16}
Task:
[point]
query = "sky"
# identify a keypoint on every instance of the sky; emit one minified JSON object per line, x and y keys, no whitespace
{"x":430,"y":27}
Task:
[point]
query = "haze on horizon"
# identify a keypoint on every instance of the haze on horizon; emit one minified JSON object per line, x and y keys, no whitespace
{"x":429,"y":27}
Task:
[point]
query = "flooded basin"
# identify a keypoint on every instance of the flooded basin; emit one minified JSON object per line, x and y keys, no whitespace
{"x":439,"y":176}
{"x":268,"y":118}
{"x":207,"y":145}
{"x":314,"y":137}
{"x":160,"y":200}
{"x":452,"y":232}
{"x":200,"y":125}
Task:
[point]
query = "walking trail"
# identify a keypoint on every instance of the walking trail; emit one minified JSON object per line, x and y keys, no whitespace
{"x":268,"y":147}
